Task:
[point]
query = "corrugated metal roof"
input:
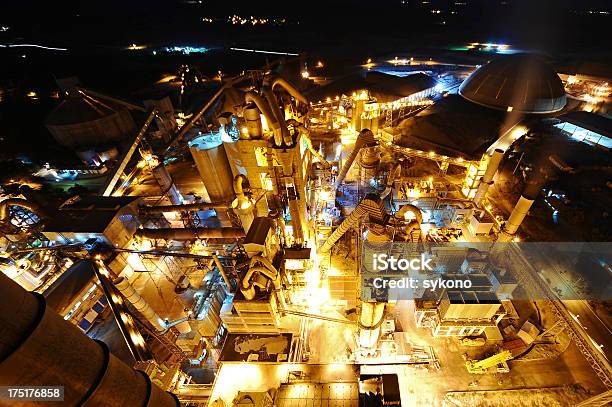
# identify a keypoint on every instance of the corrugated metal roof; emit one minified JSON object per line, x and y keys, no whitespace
{"x":91,"y":214}
{"x":382,"y":86}
{"x":590,"y":121}
{"x":258,"y":232}
{"x":81,"y":109}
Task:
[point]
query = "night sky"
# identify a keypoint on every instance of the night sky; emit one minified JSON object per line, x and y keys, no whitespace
{"x":548,"y":24}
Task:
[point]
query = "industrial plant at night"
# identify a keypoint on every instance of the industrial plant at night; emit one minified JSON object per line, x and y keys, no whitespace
{"x":208,"y":204}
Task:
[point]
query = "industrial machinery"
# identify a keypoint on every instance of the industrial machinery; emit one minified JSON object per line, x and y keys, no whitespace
{"x":264,"y":263}
{"x":482,"y":366}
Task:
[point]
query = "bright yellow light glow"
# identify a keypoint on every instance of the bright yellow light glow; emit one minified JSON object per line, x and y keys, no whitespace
{"x":145,"y":245}
{"x":266,"y":182}
{"x":414,"y":193}
{"x":264,"y":123}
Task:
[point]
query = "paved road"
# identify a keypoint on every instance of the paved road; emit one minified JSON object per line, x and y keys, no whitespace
{"x":552,"y":271}
{"x":594,"y":326}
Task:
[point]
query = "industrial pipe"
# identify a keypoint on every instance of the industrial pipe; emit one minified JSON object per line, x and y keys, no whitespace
{"x":187,"y":126}
{"x":390,"y":179}
{"x":369,"y":205}
{"x":264,"y":108}
{"x":268,"y":270}
{"x":248,"y":288}
{"x":306,"y":135}
{"x":239,"y":181}
{"x":290,"y":89}
{"x":115,"y":176}
{"x":125,"y":103}
{"x":401,"y":214}
{"x":242,"y":205}
{"x":365,"y":139}
{"x":280,"y":118}
{"x":226,"y":279}
{"x":143,"y":307}
{"x":263,"y":261}
{"x":191,"y":234}
{"x":166,"y":184}
{"x":253,"y":121}
{"x":246,"y":281}
{"x":39,"y":348}
{"x":186,"y":207}
{"x":487,"y":178}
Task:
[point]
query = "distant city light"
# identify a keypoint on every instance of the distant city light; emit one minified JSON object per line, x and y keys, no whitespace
{"x":260,"y":51}
{"x":185,"y":50}
{"x":32,"y":46}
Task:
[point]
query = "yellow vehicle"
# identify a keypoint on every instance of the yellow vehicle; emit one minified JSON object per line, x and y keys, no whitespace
{"x":481,"y":366}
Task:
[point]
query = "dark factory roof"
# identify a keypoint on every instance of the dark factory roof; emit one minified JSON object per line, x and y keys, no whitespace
{"x":384,"y":87}
{"x":90,"y":214}
{"x":80,"y":109}
{"x":590,"y":121}
{"x":522,"y":82}
{"x":454,"y":127}
{"x":258,"y":232}
{"x":68,"y":285}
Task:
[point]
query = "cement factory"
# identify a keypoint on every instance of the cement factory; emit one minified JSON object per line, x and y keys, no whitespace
{"x":223,"y":256}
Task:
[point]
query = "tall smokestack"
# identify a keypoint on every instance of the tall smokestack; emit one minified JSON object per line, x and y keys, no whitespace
{"x":40,"y":348}
{"x":487,"y":178}
{"x":520,"y":211}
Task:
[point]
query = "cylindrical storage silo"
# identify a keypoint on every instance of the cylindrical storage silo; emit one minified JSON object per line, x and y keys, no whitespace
{"x":214,"y":168}
{"x":166,"y":184}
{"x":253,"y":121}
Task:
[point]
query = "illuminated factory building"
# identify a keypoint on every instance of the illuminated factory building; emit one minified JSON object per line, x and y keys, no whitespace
{"x":259,"y":277}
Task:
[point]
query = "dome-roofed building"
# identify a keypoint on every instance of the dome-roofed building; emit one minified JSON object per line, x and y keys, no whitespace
{"x":520,"y":82}
{"x":81,"y":122}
